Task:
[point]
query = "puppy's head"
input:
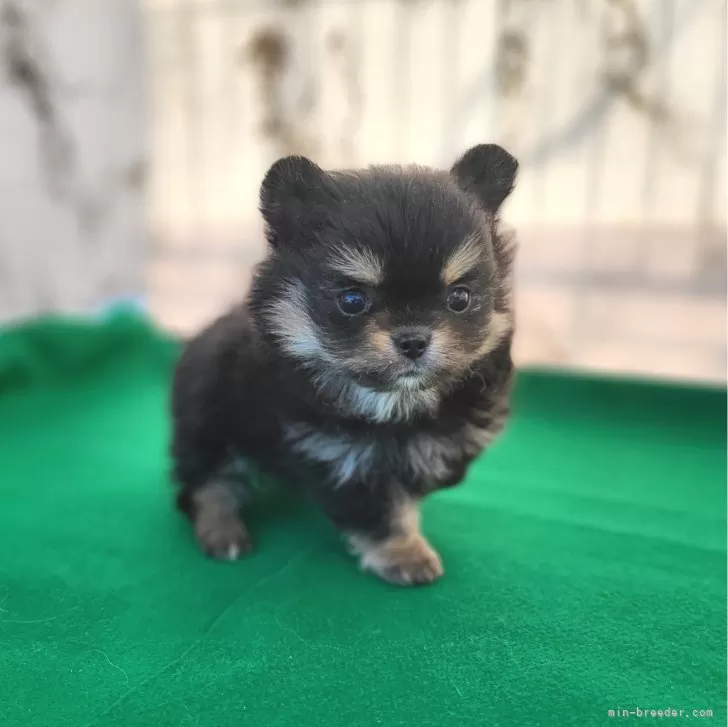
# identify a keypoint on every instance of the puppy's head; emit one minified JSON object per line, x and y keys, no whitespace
{"x":395,"y":278}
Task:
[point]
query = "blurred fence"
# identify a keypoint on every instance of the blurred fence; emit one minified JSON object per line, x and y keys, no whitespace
{"x":615,"y":108}
{"x":72,"y":156}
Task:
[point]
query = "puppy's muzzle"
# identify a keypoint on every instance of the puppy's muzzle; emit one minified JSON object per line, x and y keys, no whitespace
{"x":412,"y":343}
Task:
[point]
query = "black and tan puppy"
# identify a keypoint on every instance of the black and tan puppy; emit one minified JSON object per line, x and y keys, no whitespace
{"x":370,"y":363}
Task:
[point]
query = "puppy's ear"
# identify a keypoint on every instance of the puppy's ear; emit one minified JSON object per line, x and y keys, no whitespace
{"x":294,"y":192}
{"x":488,"y":172}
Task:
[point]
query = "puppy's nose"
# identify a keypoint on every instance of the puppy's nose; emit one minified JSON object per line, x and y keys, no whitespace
{"x":412,"y":344}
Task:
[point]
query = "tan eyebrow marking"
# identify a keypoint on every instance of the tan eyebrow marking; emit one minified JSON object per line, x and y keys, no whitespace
{"x":463,"y":260}
{"x":360,"y":265}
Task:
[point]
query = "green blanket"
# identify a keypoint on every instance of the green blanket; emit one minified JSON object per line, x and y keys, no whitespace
{"x":585,"y":561}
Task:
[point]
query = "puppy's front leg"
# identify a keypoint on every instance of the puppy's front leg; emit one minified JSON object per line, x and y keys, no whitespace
{"x":386,"y":536}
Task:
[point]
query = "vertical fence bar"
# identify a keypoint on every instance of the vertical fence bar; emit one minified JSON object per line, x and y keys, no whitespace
{"x":231,"y":48}
{"x":356,"y":99}
{"x":546,"y":112}
{"x":402,"y":85}
{"x":450,"y":78}
{"x":712,"y":259}
{"x":193,"y":152}
{"x":663,"y":16}
{"x":593,"y":183}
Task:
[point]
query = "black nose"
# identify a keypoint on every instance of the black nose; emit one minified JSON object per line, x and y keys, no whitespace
{"x":412,"y":344}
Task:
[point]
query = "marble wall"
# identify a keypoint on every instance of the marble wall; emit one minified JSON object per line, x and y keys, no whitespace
{"x":72,"y":155}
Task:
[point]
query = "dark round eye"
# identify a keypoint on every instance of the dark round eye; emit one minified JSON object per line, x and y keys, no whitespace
{"x":458,"y":299}
{"x":353,"y":302}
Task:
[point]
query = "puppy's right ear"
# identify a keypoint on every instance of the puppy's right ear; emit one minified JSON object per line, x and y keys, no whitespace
{"x":294,"y":194}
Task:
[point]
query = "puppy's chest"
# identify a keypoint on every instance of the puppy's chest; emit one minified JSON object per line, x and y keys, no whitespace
{"x":425,"y":455}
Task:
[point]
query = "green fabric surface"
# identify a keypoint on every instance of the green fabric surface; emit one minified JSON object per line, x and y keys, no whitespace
{"x":585,"y":565}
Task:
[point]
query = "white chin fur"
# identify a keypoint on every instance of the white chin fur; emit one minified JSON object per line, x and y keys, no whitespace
{"x":410,"y":383}
{"x":396,"y":405}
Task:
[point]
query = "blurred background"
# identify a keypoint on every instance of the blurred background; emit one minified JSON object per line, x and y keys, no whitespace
{"x":133,"y":138}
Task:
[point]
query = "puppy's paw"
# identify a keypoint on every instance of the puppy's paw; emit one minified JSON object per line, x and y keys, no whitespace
{"x":405,"y":562}
{"x":220,"y":530}
{"x":226,"y":539}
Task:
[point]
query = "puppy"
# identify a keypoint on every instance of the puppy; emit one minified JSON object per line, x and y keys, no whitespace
{"x":370,"y":363}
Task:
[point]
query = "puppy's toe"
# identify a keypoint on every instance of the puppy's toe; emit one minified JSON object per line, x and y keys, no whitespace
{"x":416,"y":572}
{"x":220,"y":530}
{"x":228,"y":540}
{"x":412,"y":563}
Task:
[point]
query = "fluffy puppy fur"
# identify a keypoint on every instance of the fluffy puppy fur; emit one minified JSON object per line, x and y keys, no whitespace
{"x":370,"y":363}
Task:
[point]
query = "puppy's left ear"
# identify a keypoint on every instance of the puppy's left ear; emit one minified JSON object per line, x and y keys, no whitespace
{"x":488,"y":172}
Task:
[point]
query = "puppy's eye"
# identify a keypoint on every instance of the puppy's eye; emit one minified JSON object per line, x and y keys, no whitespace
{"x":458,"y":299}
{"x":353,"y":302}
